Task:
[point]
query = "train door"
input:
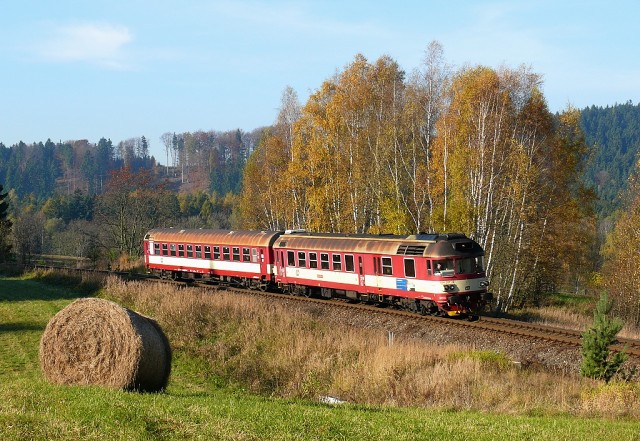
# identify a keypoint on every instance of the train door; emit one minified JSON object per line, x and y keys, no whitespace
{"x":360,"y":271}
{"x":257,"y":256}
{"x":148,"y":252}
{"x":377,"y":271}
{"x":282,"y":265}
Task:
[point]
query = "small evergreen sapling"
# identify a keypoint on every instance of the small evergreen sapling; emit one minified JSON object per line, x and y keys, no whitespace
{"x":597,"y":360}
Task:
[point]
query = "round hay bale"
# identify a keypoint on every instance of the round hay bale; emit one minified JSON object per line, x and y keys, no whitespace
{"x":98,"y":342}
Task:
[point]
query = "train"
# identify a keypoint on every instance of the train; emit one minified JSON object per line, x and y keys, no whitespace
{"x":428,"y":273}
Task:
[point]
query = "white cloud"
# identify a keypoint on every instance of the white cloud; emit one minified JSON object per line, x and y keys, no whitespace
{"x":100,"y":44}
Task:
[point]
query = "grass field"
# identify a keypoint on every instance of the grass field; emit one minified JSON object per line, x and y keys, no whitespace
{"x":198,"y":405}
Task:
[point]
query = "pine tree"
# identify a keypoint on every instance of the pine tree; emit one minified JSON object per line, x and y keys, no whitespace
{"x":597,"y":361}
{"x":5,"y":227}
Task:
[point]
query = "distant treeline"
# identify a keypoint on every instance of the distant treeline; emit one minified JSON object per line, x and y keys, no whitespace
{"x":211,"y":161}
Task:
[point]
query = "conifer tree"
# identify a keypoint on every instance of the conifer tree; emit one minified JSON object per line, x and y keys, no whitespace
{"x":5,"y":227}
{"x":597,"y":360}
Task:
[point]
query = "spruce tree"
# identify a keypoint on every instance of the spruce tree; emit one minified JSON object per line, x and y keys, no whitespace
{"x":5,"y":227}
{"x":3,"y":205}
{"x":597,"y":360}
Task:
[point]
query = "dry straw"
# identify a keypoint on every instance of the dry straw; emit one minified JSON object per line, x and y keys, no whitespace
{"x":98,"y":342}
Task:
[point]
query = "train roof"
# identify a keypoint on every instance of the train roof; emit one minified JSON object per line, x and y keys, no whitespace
{"x":424,"y":244}
{"x":214,"y":237}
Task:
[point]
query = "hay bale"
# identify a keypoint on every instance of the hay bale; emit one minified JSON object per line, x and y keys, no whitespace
{"x":98,"y":342}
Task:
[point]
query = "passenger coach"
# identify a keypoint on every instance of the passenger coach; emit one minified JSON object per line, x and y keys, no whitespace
{"x":243,"y":258}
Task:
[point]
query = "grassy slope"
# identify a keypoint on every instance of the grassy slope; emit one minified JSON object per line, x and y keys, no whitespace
{"x":193,"y":407}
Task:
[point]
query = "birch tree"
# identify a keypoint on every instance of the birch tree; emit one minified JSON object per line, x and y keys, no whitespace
{"x":424,"y":103}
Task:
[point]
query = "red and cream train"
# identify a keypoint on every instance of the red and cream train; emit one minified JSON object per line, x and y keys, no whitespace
{"x":439,"y":274}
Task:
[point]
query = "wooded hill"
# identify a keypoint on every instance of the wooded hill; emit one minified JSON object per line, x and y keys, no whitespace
{"x":614,"y":136}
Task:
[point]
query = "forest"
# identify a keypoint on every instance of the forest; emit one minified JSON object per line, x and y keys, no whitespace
{"x":552,"y":198}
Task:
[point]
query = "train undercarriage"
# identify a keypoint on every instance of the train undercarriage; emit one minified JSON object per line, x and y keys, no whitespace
{"x":461,"y":306}
{"x":464,"y":306}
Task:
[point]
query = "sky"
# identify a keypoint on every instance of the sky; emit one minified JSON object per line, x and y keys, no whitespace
{"x":120,"y":69}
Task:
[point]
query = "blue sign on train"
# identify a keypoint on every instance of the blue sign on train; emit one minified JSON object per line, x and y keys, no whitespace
{"x":401,"y":284}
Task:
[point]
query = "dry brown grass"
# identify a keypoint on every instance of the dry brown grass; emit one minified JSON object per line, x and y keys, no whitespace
{"x":86,"y":282}
{"x":272,"y":349}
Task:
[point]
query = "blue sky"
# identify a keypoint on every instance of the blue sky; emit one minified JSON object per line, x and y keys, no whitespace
{"x":86,"y":69}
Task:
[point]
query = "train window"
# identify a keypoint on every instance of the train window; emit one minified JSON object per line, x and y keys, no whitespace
{"x":337,"y":262}
{"x":348,"y":263}
{"x":463,"y":266}
{"x":165,"y":249}
{"x":313,"y":260}
{"x":409,"y":268}
{"x":246,"y":255}
{"x":443,"y":267}
{"x":479,"y":264}
{"x":216,"y":253}
{"x":225,"y":253}
{"x":207,"y":252}
{"x":189,"y":250}
{"x":181,"y":250}
{"x":156,"y":248}
{"x":469,"y":265}
{"x":172,"y":248}
{"x":429,"y":271}
{"x":324,"y":260}
{"x":302,"y":259}
{"x":236,"y":254}
{"x":387,"y":269}
{"x":291,"y":258}
{"x":254,"y":255}
{"x":199,"y":251}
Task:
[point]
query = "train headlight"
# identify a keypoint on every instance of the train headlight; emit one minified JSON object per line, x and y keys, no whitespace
{"x":484,"y":283}
{"x":449,"y":287}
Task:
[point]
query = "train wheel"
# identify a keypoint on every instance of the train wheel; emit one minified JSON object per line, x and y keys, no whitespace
{"x":431,"y":308}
